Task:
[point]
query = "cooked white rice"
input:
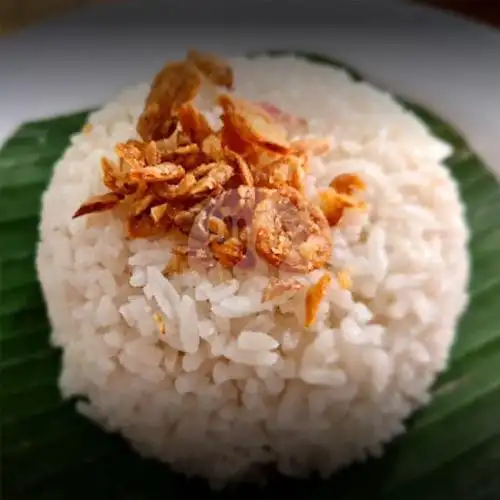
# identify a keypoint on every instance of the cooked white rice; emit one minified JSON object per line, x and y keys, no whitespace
{"x":233,"y":384}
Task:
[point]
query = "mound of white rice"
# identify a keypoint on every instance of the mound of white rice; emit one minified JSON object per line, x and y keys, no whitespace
{"x":234,"y":383}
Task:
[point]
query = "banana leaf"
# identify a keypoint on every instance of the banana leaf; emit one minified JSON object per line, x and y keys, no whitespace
{"x":48,"y":451}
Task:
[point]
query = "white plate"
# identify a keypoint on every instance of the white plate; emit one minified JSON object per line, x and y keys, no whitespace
{"x":439,"y":60}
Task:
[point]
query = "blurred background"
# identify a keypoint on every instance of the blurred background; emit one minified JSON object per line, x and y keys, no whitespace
{"x":17,"y":14}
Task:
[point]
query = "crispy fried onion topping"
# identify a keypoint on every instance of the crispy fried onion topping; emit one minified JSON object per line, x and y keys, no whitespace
{"x":234,"y":193}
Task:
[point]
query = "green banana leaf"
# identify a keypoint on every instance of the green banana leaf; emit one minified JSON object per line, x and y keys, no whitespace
{"x":48,"y":451}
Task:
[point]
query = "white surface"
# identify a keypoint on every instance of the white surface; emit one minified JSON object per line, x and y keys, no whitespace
{"x":442,"y":61}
